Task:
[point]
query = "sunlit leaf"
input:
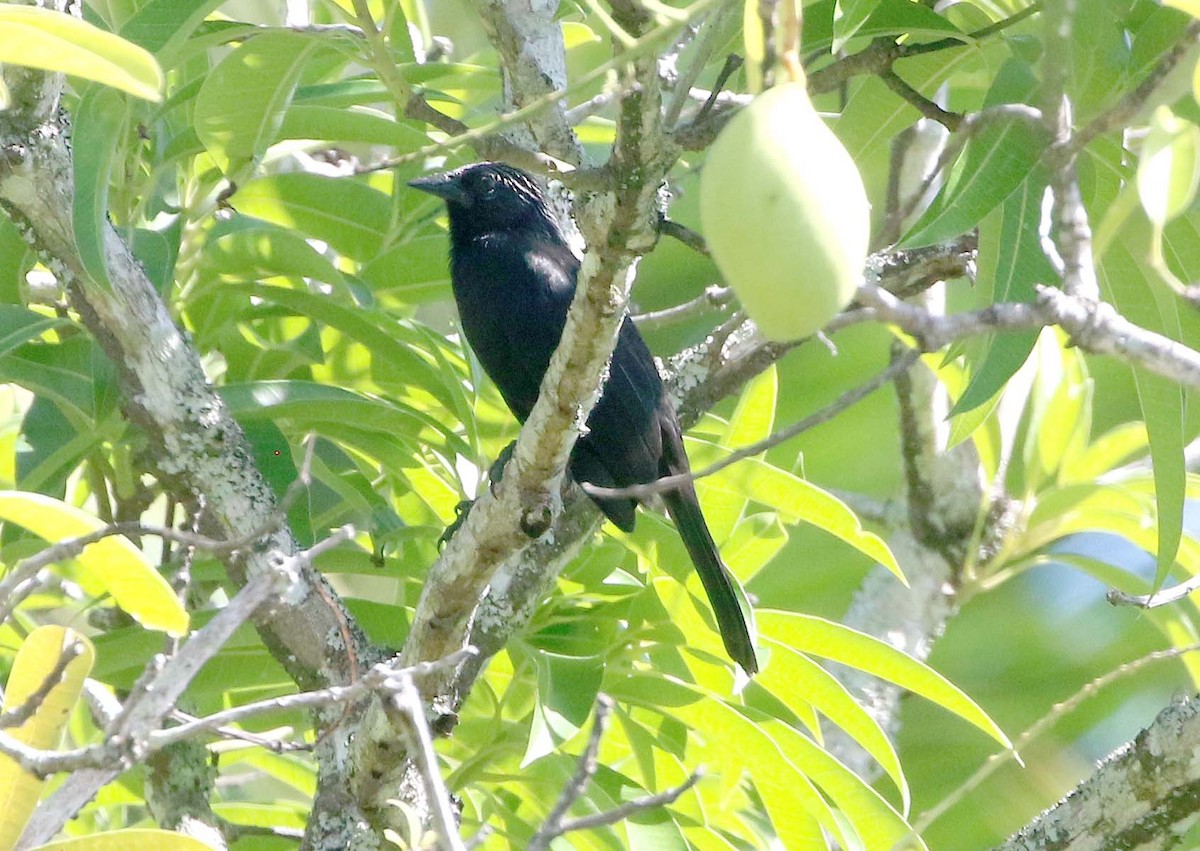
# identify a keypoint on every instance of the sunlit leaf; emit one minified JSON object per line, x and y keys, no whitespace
{"x":242,"y":102}
{"x":1169,"y":166}
{"x":994,"y":162}
{"x":131,"y":839}
{"x":56,"y":41}
{"x":36,"y":660}
{"x":567,"y":688}
{"x":115,"y":562}
{"x":838,"y":643}
{"x":98,"y":120}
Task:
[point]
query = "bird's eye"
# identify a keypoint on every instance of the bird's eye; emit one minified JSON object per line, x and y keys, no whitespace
{"x":487,"y":185}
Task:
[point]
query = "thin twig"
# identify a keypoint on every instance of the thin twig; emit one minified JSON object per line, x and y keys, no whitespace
{"x":732,"y":63}
{"x":1137,"y":98}
{"x":376,"y":678}
{"x":714,"y":297}
{"x":950,"y":120}
{"x":633,"y":807}
{"x":683,"y":233}
{"x":1161,"y":597}
{"x":645,"y":45}
{"x":1057,"y":712}
{"x":18,"y":715}
{"x":407,"y":699}
{"x":846,"y":400}
{"x":585,"y":769}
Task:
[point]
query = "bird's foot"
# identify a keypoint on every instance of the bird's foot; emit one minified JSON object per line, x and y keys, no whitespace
{"x":496,"y":471}
{"x":460,"y":517}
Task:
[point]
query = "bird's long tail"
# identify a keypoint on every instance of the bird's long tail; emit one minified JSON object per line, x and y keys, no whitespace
{"x":732,"y":620}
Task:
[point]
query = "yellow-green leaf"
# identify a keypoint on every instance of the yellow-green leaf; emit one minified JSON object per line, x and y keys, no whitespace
{"x":134,"y":839}
{"x":120,"y":566}
{"x":755,"y":42}
{"x":55,"y":41}
{"x":794,"y":679}
{"x":838,"y":643}
{"x":1169,"y":167}
{"x":36,"y":658}
{"x":1192,"y":7}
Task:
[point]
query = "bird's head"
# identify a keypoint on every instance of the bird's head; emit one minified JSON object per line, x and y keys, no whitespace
{"x":484,"y":198}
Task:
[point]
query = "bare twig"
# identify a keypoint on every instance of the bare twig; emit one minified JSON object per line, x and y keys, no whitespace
{"x":693,"y":240}
{"x":144,"y":710}
{"x":1095,"y":327}
{"x":407,"y":699}
{"x":969,"y":126}
{"x":377,"y":678}
{"x":557,"y":823}
{"x":18,"y":715}
{"x":1161,"y":597}
{"x":1042,"y":725}
{"x":633,"y":807}
{"x":1137,"y":98}
{"x":585,"y":769}
{"x":950,"y":120}
{"x":713,"y":298}
{"x":846,"y":400}
{"x":1142,"y":791}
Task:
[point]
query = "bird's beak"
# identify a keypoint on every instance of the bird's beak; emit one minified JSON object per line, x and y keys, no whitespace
{"x":445,"y":186}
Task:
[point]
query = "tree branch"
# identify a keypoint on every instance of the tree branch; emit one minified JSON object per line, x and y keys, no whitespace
{"x":1143,"y":792}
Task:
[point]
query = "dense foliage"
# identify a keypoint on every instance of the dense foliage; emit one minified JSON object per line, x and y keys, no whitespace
{"x":254,"y":157}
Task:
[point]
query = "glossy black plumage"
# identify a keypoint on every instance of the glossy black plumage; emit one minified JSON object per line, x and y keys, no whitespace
{"x":514,"y":275}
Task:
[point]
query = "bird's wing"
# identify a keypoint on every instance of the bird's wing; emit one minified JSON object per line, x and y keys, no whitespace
{"x":623,"y":429}
{"x":513,"y":293}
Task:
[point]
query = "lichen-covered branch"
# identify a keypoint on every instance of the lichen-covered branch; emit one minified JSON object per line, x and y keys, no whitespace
{"x":1145,"y":795}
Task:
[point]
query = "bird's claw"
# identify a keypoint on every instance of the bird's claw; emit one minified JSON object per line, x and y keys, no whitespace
{"x":496,"y":471}
{"x":460,"y":516}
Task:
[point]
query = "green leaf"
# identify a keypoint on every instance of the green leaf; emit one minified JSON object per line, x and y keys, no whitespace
{"x":1011,"y":262}
{"x":390,"y":347}
{"x":16,"y":259}
{"x":415,"y":270}
{"x":1060,"y":415}
{"x":752,"y":420}
{"x":339,"y":411}
{"x":130,"y":839}
{"x":55,"y":41}
{"x":19,"y":325}
{"x":1105,"y":453}
{"x":36,"y":659}
{"x":994,"y":163}
{"x":819,"y":637}
{"x":50,"y":449}
{"x":98,"y":123}
{"x":1169,"y":167}
{"x":796,"y":499}
{"x":875,"y":822}
{"x":566,"y":692}
{"x":257,"y":251}
{"x":69,"y":372}
{"x":795,"y":680}
{"x":848,"y":18}
{"x":348,"y":124}
{"x":1129,"y":281}
{"x":160,"y":25}
{"x":120,"y":566}
{"x":884,"y":18}
{"x":874,"y":114}
{"x":242,"y":102}
{"x":1100,"y":57}
{"x":729,"y":739}
{"x":349,"y":215}
{"x":273,"y":458}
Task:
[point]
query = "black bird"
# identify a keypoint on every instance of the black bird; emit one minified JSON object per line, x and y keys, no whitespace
{"x":513,"y":275}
